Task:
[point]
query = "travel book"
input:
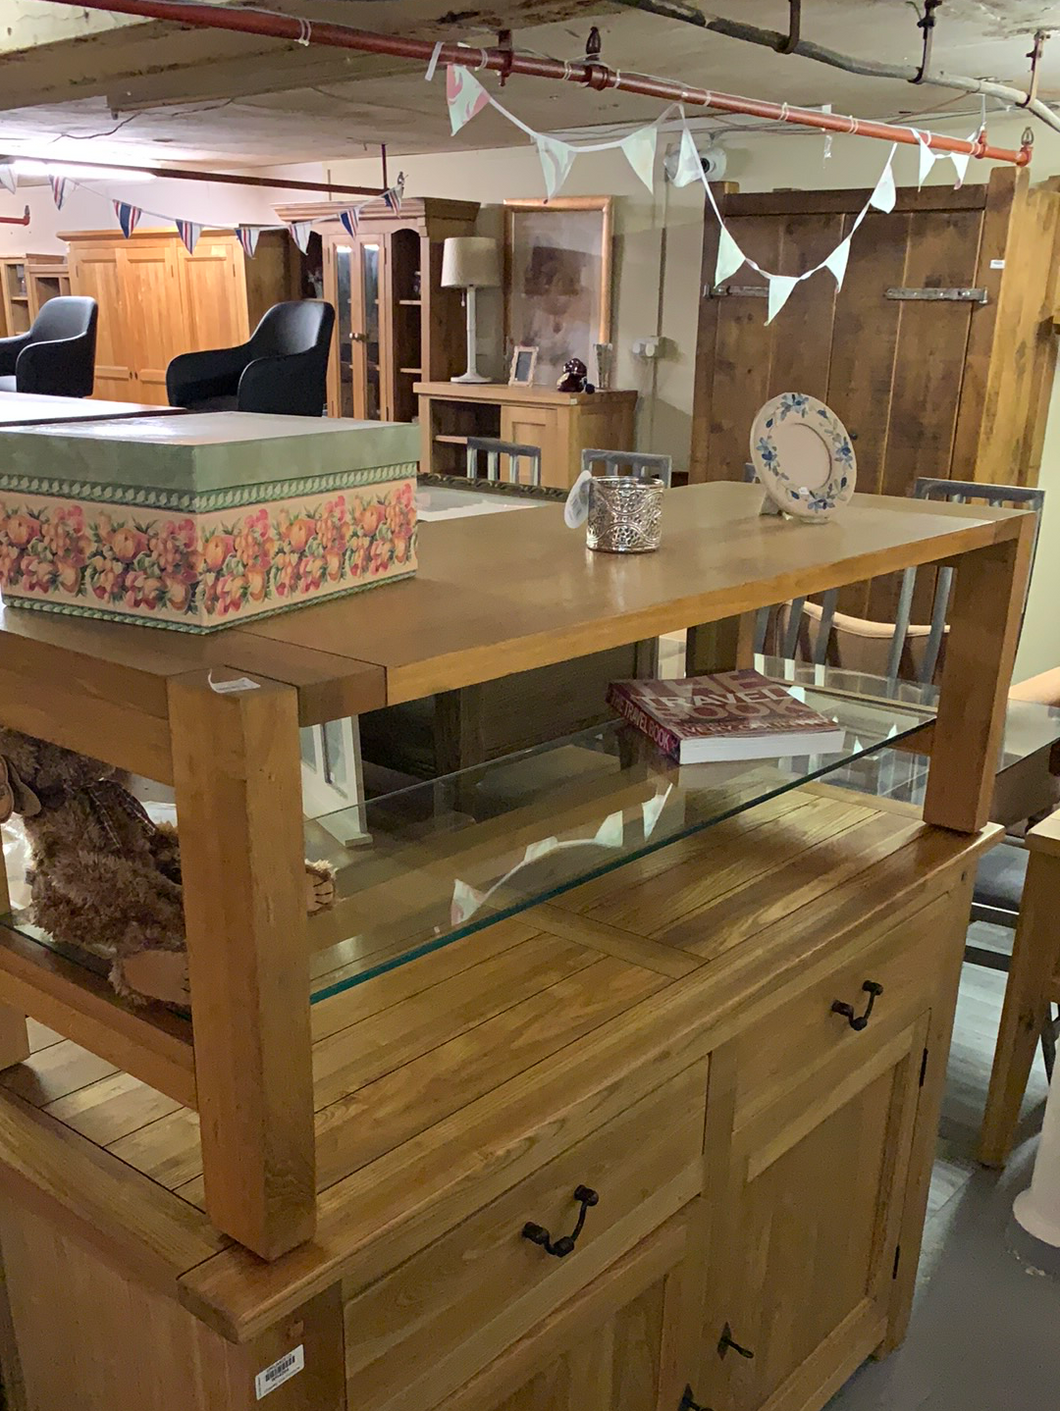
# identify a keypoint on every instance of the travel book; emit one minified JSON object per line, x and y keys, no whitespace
{"x":729,"y":715}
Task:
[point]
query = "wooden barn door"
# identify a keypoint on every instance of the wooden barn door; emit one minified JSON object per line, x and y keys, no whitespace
{"x":914,"y":380}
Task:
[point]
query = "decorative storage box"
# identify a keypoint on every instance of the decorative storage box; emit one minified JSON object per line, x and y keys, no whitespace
{"x":196,"y":521}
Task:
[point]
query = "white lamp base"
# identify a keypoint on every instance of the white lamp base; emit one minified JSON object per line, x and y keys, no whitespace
{"x":472,"y":374}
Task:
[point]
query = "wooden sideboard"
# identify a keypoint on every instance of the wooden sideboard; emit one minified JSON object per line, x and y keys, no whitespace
{"x":562,"y":424}
{"x":156,"y":300}
{"x":341,"y":1188}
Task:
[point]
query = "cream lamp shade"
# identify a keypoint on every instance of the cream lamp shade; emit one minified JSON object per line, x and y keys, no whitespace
{"x":470,"y":262}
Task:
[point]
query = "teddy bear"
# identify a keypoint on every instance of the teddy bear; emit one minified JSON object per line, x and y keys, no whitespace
{"x":575,"y":377}
{"x":104,"y":878}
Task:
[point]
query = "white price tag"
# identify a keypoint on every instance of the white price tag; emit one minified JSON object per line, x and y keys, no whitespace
{"x":576,"y":510}
{"x":281,"y":1371}
{"x":226,"y":688}
{"x":997,"y":264}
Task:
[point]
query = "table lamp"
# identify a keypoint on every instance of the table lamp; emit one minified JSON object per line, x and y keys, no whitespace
{"x":470,"y":262}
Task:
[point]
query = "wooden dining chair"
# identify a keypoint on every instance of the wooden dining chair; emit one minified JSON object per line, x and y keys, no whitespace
{"x":643,"y":464}
{"x":512,"y":451}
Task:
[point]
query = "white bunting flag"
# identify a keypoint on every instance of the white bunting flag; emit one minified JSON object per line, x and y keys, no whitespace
{"x":780,"y":288}
{"x":189,"y":232}
{"x":885,"y":193}
{"x":689,"y":167}
{"x":556,"y":161}
{"x":300,"y":233}
{"x":730,"y":257}
{"x":247,"y":235}
{"x":7,"y":177}
{"x":837,"y":261}
{"x":928,"y":158}
{"x":961,"y":159}
{"x":465,"y":95}
{"x":640,"y":148}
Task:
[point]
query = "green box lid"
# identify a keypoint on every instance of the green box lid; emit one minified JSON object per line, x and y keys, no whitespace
{"x":192,"y":459}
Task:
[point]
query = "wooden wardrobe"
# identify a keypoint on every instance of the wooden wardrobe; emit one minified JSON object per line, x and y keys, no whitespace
{"x":938,"y":352}
{"x":155,"y":300}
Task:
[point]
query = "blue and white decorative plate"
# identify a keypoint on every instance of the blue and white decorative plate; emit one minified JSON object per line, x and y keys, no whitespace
{"x":802,"y":455}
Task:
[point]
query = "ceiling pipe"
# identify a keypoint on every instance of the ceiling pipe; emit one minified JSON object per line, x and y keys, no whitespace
{"x":592,"y":75}
{"x":846,"y":63}
{"x":16,"y":220}
{"x":187,"y":174}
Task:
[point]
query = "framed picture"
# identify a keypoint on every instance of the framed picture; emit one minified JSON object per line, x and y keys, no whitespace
{"x":557,"y":257}
{"x":524,"y":361}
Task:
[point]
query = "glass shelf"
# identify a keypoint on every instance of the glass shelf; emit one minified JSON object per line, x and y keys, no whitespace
{"x":420,"y":868}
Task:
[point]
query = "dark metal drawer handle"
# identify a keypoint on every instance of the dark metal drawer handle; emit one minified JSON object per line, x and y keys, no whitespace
{"x":725,"y":1342}
{"x":537,"y":1234}
{"x":689,"y":1403}
{"x":859,"y":1021}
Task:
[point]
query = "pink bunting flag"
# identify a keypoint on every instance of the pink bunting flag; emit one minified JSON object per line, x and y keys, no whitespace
{"x":556,"y":161}
{"x":465,"y":95}
{"x":7,"y":177}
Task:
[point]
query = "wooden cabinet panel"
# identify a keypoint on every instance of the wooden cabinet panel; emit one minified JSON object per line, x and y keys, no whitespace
{"x":474,"y":1291}
{"x":538,"y":426}
{"x":623,"y":1344}
{"x":96,"y":272}
{"x":832,"y":1153}
{"x":215,"y":310}
{"x":155,"y":321}
{"x":808,"y":1035}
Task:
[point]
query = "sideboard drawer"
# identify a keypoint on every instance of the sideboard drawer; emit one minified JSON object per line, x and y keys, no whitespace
{"x":805,"y":1033}
{"x":421,"y":1331}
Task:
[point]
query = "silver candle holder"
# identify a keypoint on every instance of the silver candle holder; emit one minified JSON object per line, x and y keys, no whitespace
{"x":625,"y":514}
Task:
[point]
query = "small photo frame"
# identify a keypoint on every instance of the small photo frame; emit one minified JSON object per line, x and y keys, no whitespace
{"x":524,"y":364}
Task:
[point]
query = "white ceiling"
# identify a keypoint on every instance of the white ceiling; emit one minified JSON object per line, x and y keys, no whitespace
{"x":238,"y":101}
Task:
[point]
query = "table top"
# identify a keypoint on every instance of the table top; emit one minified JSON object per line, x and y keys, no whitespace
{"x":506,"y":392}
{"x":31,"y":409}
{"x":498,"y":594}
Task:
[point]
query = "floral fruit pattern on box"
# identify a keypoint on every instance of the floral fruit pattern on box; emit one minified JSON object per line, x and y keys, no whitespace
{"x":200,"y":571}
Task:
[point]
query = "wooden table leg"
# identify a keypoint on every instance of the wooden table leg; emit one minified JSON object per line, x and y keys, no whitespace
{"x":14,"y":1034}
{"x":720,"y":646}
{"x":1035,"y":959}
{"x":239,"y":810}
{"x":986,"y":608}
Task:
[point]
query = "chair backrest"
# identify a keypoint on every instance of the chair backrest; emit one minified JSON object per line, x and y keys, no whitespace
{"x":920,"y":657}
{"x":64,"y":317}
{"x":493,"y":450}
{"x":954,"y":492}
{"x":296,"y":326}
{"x":642,"y":464}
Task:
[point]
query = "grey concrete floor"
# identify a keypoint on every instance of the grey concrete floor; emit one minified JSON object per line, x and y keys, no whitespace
{"x":985,"y":1331}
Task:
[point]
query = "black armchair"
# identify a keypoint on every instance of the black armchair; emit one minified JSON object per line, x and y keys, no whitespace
{"x":282,"y":369}
{"x":57,"y":356}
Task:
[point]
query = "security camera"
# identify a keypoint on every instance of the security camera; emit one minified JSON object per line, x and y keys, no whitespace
{"x":712,"y":159}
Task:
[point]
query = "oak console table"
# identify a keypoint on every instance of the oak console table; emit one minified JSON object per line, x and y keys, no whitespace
{"x":562,"y":424}
{"x":580,"y":982}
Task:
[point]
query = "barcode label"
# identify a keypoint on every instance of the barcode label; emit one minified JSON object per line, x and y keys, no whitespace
{"x":281,"y":1371}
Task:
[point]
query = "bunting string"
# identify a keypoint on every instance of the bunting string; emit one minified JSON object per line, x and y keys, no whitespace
{"x":467,"y":97}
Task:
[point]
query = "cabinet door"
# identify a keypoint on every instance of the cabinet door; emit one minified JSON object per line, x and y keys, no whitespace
{"x":540,"y":426}
{"x":810,"y":1230}
{"x":155,"y":319}
{"x":369,"y":345}
{"x":96,"y":273}
{"x":214,"y":290}
{"x":623,"y":1344}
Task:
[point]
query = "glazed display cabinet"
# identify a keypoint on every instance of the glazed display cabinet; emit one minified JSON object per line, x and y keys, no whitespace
{"x":567,"y":1102}
{"x":395,"y":324}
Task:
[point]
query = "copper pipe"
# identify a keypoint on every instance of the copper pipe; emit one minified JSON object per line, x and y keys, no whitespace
{"x":187,"y":174}
{"x":592,"y":75}
{"x":15,"y":220}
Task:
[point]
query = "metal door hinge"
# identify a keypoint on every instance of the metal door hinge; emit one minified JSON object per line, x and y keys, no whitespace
{"x":958,"y":295}
{"x":738,"y":291}
{"x":923,"y":1067}
{"x":897,"y":1260}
